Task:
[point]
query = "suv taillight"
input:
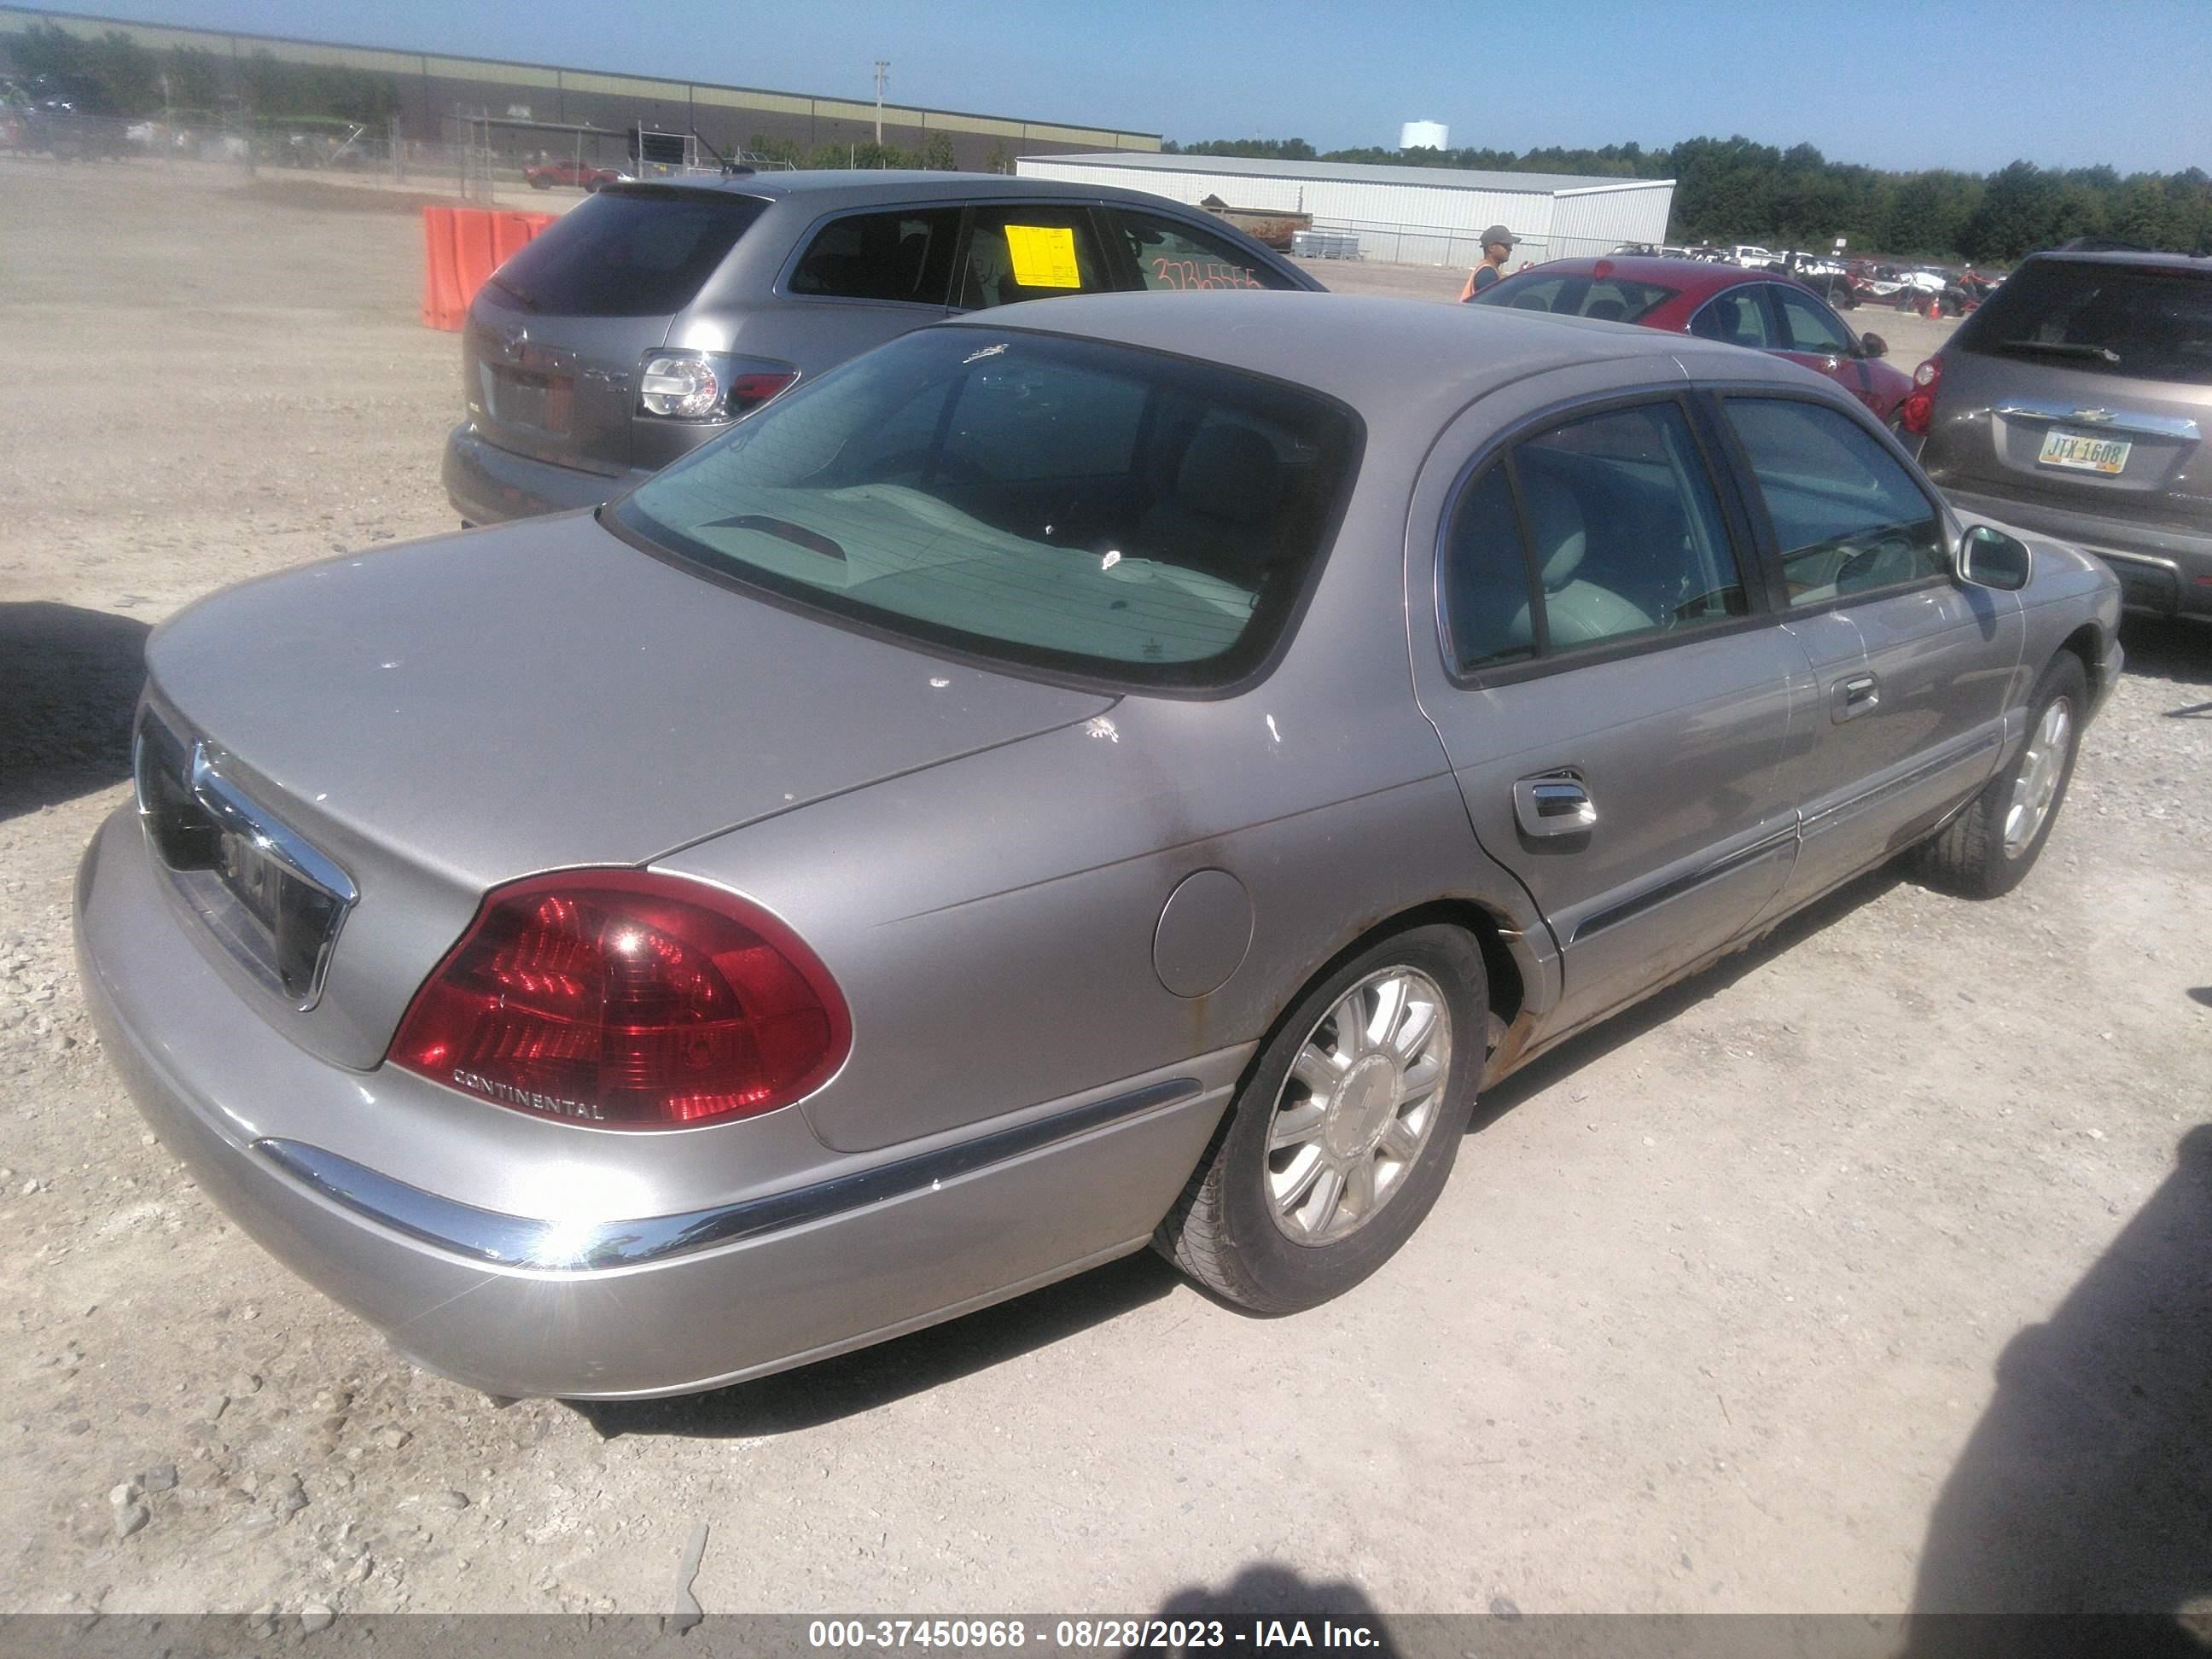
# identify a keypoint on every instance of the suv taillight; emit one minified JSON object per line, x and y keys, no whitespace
{"x":707,"y":385}
{"x":1918,"y":409}
{"x":627,"y":1000}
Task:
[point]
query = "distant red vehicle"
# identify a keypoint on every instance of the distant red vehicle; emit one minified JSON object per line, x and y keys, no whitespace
{"x":1758,"y":308}
{"x":577,"y":175}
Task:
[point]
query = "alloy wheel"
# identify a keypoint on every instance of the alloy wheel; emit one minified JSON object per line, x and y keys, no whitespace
{"x":1361,"y":1101}
{"x":2041,"y":770}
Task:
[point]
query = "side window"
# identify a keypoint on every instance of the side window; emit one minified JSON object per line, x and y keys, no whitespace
{"x":1846,"y":516}
{"x":881,"y":256}
{"x":1169,"y":254}
{"x":1808,"y":326}
{"x":1485,"y":595}
{"x":1618,"y":519}
{"x":1014,"y":253}
{"x":1733,"y":318}
{"x":1543,"y":294}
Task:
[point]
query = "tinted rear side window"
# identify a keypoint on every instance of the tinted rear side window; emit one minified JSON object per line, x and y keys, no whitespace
{"x":1028,"y":254}
{"x":1609,"y":299}
{"x":1617,"y":524}
{"x":1171,"y":255}
{"x":2145,"y":324}
{"x":629,"y":253}
{"x":882,"y":256}
{"x":1733,"y":318}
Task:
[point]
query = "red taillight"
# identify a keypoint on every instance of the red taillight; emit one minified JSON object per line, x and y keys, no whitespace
{"x":628,"y":1000}
{"x":1919,"y":406}
{"x":749,"y":391}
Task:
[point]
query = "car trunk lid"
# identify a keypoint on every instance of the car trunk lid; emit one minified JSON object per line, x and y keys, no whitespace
{"x":439,"y":718}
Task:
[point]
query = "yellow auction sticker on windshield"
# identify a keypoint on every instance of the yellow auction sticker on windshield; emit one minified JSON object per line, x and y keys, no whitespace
{"x":1043,"y":256}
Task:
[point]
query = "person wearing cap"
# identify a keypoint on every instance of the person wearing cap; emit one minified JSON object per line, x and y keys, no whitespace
{"x":1497,"y":243}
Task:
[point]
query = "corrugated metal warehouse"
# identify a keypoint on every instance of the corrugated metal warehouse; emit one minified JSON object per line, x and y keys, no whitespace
{"x":1412,"y":215}
{"x":433,"y":88}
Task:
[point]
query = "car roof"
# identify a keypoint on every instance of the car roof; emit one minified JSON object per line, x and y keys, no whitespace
{"x":1686,"y":276}
{"x":1388,"y":358}
{"x":2187,"y":262}
{"x":829,"y":189}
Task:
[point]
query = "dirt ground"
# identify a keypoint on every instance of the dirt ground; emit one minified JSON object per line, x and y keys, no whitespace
{"x":1872,"y":1270}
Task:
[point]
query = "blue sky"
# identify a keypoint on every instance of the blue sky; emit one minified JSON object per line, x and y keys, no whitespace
{"x":1901,"y":83}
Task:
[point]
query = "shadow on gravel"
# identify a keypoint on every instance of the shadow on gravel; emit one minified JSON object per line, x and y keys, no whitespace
{"x":2165,"y":648}
{"x":2086,"y":1486}
{"x":1268,"y":1591}
{"x":874,"y":1376}
{"x":1654,"y":1012}
{"x":68,"y":679}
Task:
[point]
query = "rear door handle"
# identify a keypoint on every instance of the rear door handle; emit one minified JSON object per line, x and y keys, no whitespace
{"x":1553,"y":804}
{"x":1859,"y":695}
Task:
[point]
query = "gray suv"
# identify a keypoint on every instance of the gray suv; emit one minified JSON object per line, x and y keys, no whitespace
{"x":2076,"y":403}
{"x":655,"y":315}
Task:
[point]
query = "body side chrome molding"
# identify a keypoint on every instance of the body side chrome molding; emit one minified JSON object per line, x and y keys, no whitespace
{"x":1828,"y":817}
{"x":508,"y":1241}
{"x":1637,"y":903}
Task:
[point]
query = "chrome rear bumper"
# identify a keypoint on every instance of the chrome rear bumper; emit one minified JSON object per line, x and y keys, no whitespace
{"x":583,"y":1307}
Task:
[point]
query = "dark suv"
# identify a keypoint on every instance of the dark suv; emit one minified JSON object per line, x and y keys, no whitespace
{"x":2075,"y":402}
{"x":652,"y":316}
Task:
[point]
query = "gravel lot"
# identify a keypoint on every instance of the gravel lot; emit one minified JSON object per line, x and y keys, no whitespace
{"x":1873,"y":1269}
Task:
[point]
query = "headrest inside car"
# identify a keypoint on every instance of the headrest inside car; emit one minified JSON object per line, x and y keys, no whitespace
{"x":1555,"y":523}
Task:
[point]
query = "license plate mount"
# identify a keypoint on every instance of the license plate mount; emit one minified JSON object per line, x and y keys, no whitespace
{"x":545,"y":401}
{"x":2083,"y":452}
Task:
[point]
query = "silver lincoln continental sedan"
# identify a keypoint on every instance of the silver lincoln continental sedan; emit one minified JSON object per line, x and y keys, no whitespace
{"x":1096,"y":773}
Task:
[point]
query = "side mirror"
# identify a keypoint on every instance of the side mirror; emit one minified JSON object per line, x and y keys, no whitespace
{"x":1873,"y":345}
{"x":1990,"y":558}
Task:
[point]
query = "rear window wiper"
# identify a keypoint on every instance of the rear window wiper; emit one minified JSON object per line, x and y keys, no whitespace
{"x":2062,"y":349}
{"x":529,"y":300}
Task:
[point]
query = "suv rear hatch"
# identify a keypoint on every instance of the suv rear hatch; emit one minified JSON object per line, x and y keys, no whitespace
{"x":2084,"y":384}
{"x":551,"y":357}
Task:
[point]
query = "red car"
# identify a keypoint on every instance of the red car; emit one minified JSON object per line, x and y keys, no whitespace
{"x":578,"y":175}
{"x":1757,"y":309}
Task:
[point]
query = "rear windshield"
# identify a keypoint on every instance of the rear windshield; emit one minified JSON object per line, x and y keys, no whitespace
{"x":1065,"y":505}
{"x":2141,"y":323}
{"x":637,"y":252}
{"x":1610,"y":299}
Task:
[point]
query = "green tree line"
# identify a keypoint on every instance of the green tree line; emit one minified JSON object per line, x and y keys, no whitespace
{"x":1731,"y":190}
{"x":113,"y":75}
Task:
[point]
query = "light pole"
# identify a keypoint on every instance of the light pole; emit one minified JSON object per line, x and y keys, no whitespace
{"x":883,"y":68}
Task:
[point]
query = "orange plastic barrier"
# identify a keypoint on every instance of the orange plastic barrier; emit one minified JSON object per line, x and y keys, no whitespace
{"x":461,"y":248}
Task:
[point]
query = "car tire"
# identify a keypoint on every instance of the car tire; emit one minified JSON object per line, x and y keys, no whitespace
{"x":1300,"y":1198}
{"x":538,"y":181}
{"x":1989,"y":848}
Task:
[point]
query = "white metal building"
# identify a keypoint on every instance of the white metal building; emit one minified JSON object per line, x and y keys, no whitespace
{"x":1413,"y":216}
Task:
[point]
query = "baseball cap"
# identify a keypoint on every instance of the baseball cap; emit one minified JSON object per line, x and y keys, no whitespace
{"x":1499,"y":233}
